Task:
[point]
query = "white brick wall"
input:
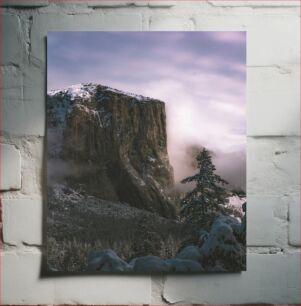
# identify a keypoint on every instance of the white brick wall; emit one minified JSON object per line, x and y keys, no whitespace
{"x":270,"y":279}
{"x":23,"y":221}
{"x":294,"y":220}
{"x":10,"y":168}
{"x":23,"y":284}
{"x":24,"y":3}
{"x":273,"y":160}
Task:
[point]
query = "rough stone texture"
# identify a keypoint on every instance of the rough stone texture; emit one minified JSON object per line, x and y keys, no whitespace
{"x":273,"y":162}
{"x":10,"y":167}
{"x":20,"y":214}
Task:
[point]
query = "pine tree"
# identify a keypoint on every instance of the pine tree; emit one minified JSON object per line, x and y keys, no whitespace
{"x":201,"y":205}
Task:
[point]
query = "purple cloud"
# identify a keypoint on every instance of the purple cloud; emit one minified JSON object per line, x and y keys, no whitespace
{"x":228,"y":37}
{"x":201,"y":76}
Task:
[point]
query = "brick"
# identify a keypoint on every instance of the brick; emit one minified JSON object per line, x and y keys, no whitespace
{"x":12,"y":44}
{"x":269,"y":37}
{"x":294,"y":220}
{"x":22,"y":284}
{"x":115,"y":4}
{"x":23,"y":103}
{"x":10,"y":167}
{"x":23,"y":110}
{"x":12,"y":96}
{"x":260,"y":209}
{"x":11,"y":84}
{"x":34,"y":93}
{"x":32,"y":152}
{"x":250,"y":3}
{"x":212,"y":21}
{"x":24,"y":3}
{"x":169,"y":23}
{"x":265,"y":281}
{"x":276,"y":92}
{"x":109,"y":4}
{"x":122,"y":22}
{"x":167,"y":4}
{"x":270,"y":215}
{"x":22,"y":221}
{"x":273,"y":165}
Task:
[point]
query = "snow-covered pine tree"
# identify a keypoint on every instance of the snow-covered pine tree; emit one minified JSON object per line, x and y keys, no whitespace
{"x":200,"y":206}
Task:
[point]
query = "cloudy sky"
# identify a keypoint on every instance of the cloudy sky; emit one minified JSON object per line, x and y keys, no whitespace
{"x":201,"y":76}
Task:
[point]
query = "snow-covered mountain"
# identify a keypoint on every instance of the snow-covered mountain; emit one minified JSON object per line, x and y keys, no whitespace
{"x":110,"y":187}
{"x":87,"y":90}
{"x":111,"y":143}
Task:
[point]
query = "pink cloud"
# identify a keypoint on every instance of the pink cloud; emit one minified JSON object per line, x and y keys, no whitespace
{"x":201,"y":80}
{"x":228,"y":37}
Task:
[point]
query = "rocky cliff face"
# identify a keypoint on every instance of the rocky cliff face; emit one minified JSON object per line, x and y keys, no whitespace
{"x":110,"y":144}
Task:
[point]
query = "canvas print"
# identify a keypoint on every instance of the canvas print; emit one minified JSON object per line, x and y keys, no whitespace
{"x":146,"y":152}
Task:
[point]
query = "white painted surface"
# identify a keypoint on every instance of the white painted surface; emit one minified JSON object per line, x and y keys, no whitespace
{"x":273,"y":162}
{"x":23,"y":284}
{"x":294,"y":220}
{"x":22,"y":221}
{"x":266,"y":281}
{"x":10,"y":168}
{"x":24,"y":3}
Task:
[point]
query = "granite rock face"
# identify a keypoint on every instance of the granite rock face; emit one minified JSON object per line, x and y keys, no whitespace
{"x":112,"y":145}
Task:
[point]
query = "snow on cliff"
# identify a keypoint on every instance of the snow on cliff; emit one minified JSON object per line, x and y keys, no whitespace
{"x":86,"y":90}
{"x":75,"y":91}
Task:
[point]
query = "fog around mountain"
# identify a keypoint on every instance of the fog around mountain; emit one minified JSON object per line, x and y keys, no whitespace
{"x":199,"y":75}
